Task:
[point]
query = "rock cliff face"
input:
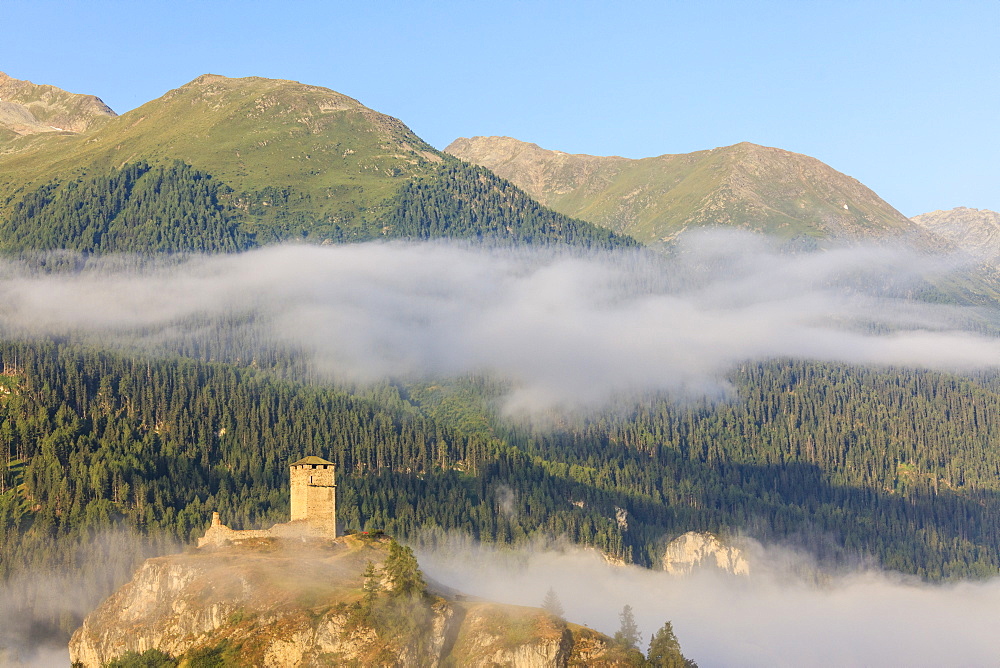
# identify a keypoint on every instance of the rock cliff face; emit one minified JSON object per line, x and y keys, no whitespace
{"x":696,"y":550}
{"x":288,"y":603}
{"x":484,"y":638}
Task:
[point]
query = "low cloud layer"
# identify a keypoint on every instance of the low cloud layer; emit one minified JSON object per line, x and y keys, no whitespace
{"x":36,"y":602}
{"x":774,"y":618}
{"x":567,"y":329}
{"x":574,"y":330}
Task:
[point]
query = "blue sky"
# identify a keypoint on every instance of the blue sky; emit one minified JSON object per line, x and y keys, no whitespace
{"x":904,"y":96}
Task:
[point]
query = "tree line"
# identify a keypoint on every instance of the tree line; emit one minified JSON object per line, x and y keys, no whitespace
{"x":173,"y":208}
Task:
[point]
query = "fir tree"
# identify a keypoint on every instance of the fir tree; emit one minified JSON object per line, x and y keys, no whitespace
{"x":665,"y":650}
{"x":403,"y":571}
{"x":373,"y":584}
{"x":552,"y":605}
{"x":628,"y":634}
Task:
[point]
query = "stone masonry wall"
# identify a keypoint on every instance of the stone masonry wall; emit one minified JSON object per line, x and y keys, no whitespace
{"x":220,"y":534}
{"x":314,"y":510}
{"x":313,"y":497}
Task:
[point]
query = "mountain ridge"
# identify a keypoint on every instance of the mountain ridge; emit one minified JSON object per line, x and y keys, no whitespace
{"x":250,"y":133}
{"x":27,"y":108}
{"x":976,"y":231}
{"x":654,"y":199}
{"x":284,"y":160}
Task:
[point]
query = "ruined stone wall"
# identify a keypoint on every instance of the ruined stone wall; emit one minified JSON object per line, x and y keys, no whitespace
{"x":219,"y":534}
{"x":314,"y":510}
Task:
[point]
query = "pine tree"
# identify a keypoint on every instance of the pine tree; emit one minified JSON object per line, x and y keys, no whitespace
{"x":552,"y":605}
{"x":373,"y":584}
{"x":628,"y":634}
{"x":401,"y":567}
{"x":665,"y":650}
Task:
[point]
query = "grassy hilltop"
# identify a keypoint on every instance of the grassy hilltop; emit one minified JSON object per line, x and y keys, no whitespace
{"x":654,"y":199}
{"x":251,"y":133}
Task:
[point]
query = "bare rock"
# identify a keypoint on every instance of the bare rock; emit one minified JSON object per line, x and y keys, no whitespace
{"x":695,"y":550}
{"x":974,"y":231}
{"x":291,"y":603}
{"x":27,"y":108}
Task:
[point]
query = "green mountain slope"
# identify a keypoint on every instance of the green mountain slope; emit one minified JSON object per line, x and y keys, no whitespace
{"x":654,"y":199}
{"x":462,"y":201}
{"x":138,"y":208}
{"x":283,"y":160}
{"x":335,"y":157}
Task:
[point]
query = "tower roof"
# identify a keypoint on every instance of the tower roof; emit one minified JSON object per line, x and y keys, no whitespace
{"x":312,"y":460}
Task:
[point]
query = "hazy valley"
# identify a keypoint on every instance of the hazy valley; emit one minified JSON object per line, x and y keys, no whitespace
{"x":512,"y":353}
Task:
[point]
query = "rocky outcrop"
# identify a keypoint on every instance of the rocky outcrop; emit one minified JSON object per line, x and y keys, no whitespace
{"x":493,"y":635}
{"x":974,"y":231}
{"x":695,"y":550}
{"x":290,"y":603}
{"x":27,"y":108}
{"x":250,"y":596}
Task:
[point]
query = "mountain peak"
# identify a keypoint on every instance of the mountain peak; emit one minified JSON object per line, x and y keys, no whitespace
{"x":654,"y":199}
{"x":27,"y":108}
{"x":208,"y":78}
{"x":331,"y":156}
{"x":266,"y":95}
{"x":976,"y":231}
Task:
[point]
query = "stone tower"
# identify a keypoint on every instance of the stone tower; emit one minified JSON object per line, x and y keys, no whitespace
{"x":314,"y":495}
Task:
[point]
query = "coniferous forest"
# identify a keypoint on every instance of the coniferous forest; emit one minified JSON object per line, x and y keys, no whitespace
{"x":898,"y":466}
{"x":173,"y":208}
{"x":135,"y":209}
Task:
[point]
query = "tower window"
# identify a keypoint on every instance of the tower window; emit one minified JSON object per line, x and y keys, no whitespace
{"x":310,"y":480}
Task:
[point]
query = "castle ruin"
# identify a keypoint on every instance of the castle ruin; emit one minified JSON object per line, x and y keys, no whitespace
{"x":314,"y":508}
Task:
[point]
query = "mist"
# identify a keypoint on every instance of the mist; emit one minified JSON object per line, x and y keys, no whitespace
{"x":572,"y":330}
{"x":786,"y":613}
{"x":568,"y":329}
{"x":39,"y":606}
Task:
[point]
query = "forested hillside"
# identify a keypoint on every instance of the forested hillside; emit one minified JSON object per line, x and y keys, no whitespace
{"x":462,"y":201}
{"x":221,"y":164}
{"x":142,"y":208}
{"x":138,"y":208}
{"x":899,"y":466}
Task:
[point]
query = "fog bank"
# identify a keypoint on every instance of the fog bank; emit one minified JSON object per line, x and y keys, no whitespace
{"x":568,"y":329}
{"x":40,"y":606}
{"x":776,"y":617}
